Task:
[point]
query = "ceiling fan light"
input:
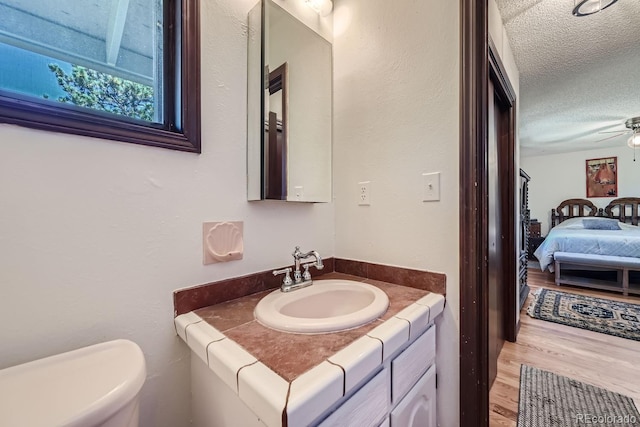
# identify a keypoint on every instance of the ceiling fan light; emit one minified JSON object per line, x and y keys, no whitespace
{"x":589,"y":7}
{"x":634,"y":141}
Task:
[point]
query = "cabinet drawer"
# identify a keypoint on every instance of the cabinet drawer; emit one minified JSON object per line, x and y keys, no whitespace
{"x":366,"y":408}
{"x":409,"y":365}
{"x":418,"y":408}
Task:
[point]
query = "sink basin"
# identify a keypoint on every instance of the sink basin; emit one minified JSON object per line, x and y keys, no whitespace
{"x":326,"y":306}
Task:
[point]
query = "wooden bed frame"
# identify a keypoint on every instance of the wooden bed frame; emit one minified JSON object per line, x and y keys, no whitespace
{"x":625,"y":209}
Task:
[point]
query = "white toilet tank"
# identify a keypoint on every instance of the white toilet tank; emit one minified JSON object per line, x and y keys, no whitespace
{"x":89,"y":387}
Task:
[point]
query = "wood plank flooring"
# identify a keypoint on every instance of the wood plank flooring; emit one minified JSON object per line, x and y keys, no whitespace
{"x":599,"y":359}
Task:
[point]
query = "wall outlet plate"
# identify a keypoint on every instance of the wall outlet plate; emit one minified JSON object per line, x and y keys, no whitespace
{"x":364,"y":193}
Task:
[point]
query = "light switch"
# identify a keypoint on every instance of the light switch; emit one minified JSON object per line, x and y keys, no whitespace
{"x":431,"y":187}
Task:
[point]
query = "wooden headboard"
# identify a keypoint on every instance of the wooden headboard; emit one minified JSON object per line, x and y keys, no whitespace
{"x":625,"y":209}
{"x":572,"y":208}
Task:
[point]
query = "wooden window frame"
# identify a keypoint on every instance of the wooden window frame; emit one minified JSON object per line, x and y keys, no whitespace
{"x":181,"y":127}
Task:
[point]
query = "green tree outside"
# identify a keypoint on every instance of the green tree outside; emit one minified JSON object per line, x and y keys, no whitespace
{"x":92,"y":89}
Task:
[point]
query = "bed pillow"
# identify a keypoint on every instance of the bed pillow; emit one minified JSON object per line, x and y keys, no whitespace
{"x":572,"y":224}
{"x":601,"y":224}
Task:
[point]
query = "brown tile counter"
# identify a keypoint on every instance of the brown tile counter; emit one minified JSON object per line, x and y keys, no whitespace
{"x":292,"y":379}
{"x":288,"y":354}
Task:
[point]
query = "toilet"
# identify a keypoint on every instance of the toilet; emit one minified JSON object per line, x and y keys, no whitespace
{"x":94,"y":386}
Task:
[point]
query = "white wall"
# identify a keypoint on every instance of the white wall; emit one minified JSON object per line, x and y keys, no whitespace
{"x":95,"y":235}
{"x":557,"y":177}
{"x":396,"y":106}
{"x":498,"y":34}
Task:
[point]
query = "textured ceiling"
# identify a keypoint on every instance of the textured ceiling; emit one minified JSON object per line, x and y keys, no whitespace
{"x":578,"y":76}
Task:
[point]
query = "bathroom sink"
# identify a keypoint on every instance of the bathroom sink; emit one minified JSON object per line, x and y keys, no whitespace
{"x":326,"y":306}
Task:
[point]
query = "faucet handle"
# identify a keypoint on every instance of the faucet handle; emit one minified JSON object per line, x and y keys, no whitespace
{"x":306,"y":275}
{"x":296,"y":252}
{"x":287,"y":278}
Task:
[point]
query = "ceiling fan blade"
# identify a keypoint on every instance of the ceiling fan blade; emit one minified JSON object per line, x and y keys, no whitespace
{"x":611,"y":137}
{"x":616,"y":131}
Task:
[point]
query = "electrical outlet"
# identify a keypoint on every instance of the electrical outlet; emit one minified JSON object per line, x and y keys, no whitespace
{"x":299,"y":192}
{"x":431,"y":187}
{"x":364,"y":193}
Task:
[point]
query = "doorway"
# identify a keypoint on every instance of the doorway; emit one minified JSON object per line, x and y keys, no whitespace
{"x":503,"y":284}
{"x":485,"y":320}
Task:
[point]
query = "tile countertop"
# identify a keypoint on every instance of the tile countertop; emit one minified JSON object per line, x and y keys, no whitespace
{"x":291,"y":379}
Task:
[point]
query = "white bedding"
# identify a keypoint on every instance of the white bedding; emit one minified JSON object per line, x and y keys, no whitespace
{"x":571,"y":236}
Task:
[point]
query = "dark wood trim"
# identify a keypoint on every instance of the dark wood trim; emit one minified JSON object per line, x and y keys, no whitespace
{"x":53,"y":116}
{"x":507,"y":178}
{"x":170,"y":65}
{"x":276,"y":166}
{"x":191,"y":72}
{"x":474,"y":329}
{"x":498,"y":74}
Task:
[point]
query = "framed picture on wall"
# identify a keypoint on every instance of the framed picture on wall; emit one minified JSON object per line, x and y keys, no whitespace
{"x":602,"y":177}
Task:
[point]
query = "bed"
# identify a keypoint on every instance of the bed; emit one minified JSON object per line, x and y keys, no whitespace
{"x":596,"y":239}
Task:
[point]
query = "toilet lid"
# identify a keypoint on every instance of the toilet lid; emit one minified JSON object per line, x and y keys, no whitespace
{"x":78,"y":388}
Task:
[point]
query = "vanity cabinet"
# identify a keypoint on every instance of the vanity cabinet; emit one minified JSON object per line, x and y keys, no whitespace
{"x":403,"y":394}
{"x":383,"y":376}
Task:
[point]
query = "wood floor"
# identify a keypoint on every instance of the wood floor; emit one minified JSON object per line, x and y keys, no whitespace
{"x":599,"y":359}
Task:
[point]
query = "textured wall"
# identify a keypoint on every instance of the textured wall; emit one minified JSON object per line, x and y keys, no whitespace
{"x":396,"y":116}
{"x":566,"y":100}
{"x":95,"y":235}
{"x":557,"y":177}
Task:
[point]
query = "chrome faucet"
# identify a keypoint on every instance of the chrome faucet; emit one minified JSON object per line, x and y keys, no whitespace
{"x":300,"y":279}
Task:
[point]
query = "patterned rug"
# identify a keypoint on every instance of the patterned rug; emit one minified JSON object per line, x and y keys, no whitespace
{"x":595,"y":314}
{"x":550,"y":400}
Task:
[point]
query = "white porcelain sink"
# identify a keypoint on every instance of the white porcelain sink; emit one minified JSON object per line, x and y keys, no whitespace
{"x":326,"y":306}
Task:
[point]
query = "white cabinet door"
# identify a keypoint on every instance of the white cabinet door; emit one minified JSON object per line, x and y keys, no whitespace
{"x":367,"y":407}
{"x":418,"y":408}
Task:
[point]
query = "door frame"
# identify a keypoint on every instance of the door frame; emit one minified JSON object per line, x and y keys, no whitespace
{"x":474,"y":302}
{"x":503,"y":89}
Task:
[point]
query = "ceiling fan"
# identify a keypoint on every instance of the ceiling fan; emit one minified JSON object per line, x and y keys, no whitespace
{"x":633,"y":128}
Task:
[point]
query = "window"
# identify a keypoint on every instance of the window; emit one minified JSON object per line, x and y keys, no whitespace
{"x":127,"y":70}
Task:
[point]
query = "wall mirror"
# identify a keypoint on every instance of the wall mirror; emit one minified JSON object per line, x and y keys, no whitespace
{"x":289,"y":114}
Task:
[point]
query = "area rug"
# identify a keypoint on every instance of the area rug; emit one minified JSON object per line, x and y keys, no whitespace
{"x":550,"y":400}
{"x":595,"y":314}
